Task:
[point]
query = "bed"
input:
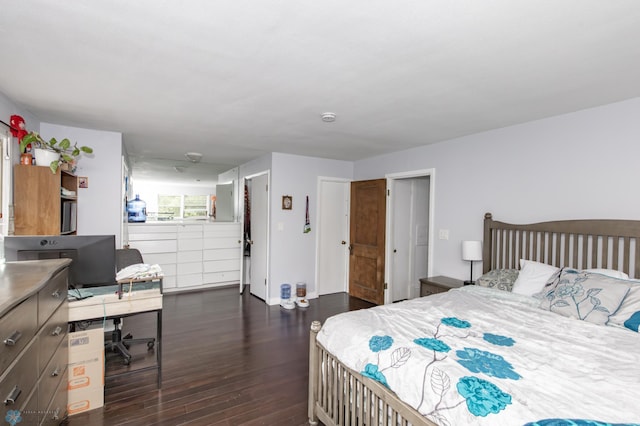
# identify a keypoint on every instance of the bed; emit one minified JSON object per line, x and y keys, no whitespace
{"x":549,"y":336}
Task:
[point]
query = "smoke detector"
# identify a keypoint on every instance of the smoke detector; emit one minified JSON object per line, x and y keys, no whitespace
{"x":194,"y":157}
{"x":328,"y":117}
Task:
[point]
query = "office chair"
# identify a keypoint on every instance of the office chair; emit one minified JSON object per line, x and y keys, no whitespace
{"x":124,"y":258}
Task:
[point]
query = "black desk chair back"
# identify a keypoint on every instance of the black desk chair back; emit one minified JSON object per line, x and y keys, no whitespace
{"x":127,"y":257}
{"x":124,"y":258}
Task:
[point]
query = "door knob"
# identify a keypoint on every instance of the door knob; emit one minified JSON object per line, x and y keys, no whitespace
{"x":343,"y":242}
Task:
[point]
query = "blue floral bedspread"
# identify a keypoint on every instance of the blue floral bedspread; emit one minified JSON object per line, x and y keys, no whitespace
{"x":488,"y":357}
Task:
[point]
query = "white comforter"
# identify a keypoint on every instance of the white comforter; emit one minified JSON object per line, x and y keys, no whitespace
{"x":488,"y":357}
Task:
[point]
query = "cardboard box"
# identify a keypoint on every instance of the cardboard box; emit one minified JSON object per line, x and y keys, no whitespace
{"x":85,"y":373}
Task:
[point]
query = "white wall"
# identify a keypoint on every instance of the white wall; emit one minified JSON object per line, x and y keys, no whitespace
{"x":255,"y":166}
{"x":578,"y":165}
{"x":99,"y":205}
{"x":9,"y":108}
{"x":293,"y":253}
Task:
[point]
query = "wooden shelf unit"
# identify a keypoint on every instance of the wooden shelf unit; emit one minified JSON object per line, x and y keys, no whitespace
{"x":37,"y":200}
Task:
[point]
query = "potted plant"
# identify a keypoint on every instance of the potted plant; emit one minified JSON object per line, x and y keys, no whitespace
{"x":52,"y":152}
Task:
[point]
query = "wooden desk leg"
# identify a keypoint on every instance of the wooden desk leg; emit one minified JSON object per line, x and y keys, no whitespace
{"x":159,"y":348}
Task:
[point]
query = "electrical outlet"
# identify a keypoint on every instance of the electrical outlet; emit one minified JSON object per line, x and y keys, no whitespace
{"x":443,"y":234}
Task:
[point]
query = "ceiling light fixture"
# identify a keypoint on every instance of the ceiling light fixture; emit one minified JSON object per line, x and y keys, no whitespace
{"x":328,"y":117}
{"x":194,"y":157}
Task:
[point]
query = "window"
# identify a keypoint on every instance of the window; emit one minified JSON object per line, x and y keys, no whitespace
{"x":194,"y":206}
{"x":182,"y":206}
{"x":169,"y":207}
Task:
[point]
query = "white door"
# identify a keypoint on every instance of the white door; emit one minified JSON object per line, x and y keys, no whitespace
{"x":259,"y":214}
{"x":333,"y":236}
{"x":408,"y":254}
{"x":401,"y":249}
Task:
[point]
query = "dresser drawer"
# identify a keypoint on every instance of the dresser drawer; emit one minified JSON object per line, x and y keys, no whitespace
{"x":221,"y":243}
{"x":51,"y":334}
{"x":220,"y":277}
{"x":54,"y":372}
{"x":29,"y":410}
{"x":223,"y":254}
{"x":217,"y":230}
{"x":20,"y":379}
{"x":52,"y":295}
{"x":427,"y":290}
{"x":17,"y":327}
{"x":221,"y":265}
{"x":57,"y":410}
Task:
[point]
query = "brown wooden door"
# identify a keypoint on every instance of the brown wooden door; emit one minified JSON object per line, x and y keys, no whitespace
{"x":367,"y":233}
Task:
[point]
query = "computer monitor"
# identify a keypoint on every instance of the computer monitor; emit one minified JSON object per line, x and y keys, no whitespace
{"x":93,"y":256}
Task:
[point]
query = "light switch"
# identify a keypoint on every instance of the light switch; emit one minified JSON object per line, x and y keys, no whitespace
{"x":443,"y":234}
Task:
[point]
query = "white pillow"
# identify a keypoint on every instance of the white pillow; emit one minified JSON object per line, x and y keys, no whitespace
{"x":532,"y":277}
{"x":610,"y":273}
{"x":628,"y":315}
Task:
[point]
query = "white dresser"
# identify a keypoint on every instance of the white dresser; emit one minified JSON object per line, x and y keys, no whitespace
{"x":192,"y":255}
{"x":34,"y":350}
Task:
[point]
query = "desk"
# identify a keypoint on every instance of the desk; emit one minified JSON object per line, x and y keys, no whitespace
{"x":144,"y":296}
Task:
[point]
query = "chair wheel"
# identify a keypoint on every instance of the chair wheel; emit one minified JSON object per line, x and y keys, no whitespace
{"x":150,"y":345}
{"x":128,"y":336}
{"x":126,"y":361}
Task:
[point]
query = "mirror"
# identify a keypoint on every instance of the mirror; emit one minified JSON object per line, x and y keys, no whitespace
{"x":224,"y":207}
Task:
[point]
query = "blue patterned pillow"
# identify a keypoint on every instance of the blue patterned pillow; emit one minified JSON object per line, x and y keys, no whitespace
{"x":501,"y":279}
{"x":585,"y":296}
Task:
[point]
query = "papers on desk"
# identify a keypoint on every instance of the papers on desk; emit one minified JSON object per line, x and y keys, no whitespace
{"x":139,"y":271}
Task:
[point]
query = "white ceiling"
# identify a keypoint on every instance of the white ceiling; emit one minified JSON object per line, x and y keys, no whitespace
{"x":235,"y":79}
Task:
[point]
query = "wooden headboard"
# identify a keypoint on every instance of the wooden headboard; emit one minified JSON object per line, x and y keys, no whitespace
{"x":580,"y":244}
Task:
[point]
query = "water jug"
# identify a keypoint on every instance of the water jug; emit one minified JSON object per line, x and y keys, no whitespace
{"x":285,"y":291}
{"x":137,"y":210}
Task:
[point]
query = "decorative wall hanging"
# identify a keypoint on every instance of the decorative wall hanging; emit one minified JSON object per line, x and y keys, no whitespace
{"x":287,"y":202}
{"x":307,"y":222}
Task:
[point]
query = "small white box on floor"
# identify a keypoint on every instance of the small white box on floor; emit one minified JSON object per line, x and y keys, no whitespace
{"x":85,"y":374}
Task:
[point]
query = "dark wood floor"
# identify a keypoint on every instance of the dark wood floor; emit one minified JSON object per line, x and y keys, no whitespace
{"x":228,"y":359}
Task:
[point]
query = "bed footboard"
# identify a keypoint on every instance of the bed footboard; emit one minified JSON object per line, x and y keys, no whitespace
{"x":339,"y":396}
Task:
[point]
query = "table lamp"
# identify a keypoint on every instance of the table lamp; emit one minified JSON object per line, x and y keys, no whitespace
{"x":471,"y":252}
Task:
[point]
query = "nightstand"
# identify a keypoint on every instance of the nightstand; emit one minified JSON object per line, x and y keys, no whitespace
{"x":439,"y":284}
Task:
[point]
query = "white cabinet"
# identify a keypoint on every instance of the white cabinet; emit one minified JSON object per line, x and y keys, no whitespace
{"x":221,"y":253}
{"x":158,"y":244}
{"x":191,"y":255}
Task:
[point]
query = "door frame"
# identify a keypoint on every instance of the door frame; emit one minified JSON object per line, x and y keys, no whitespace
{"x":268,"y":242}
{"x":6,"y":180}
{"x":391,"y":177}
{"x":347,"y":208}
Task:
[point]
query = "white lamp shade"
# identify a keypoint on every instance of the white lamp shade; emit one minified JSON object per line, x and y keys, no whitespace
{"x":472,"y":250}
